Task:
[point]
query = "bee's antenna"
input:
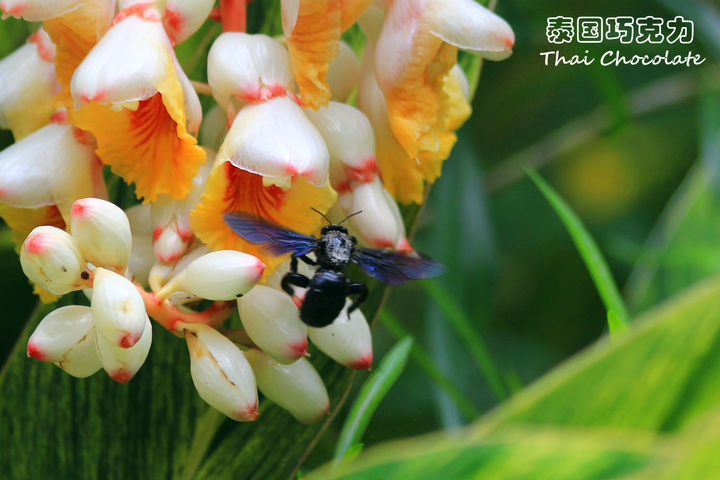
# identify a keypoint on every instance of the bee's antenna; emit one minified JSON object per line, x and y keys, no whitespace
{"x":351,"y":215}
{"x":322,"y":215}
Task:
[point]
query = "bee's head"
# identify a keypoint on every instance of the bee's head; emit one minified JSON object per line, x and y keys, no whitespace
{"x":333,"y":228}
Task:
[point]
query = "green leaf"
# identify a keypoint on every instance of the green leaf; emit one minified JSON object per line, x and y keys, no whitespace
{"x":646,"y":403}
{"x":371,"y":394}
{"x":459,"y":320}
{"x":426,"y":363}
{"x":589,"y":251}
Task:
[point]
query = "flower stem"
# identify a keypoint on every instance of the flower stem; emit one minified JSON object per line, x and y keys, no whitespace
{"x":233,"y":15}
{"x":172,"y":318}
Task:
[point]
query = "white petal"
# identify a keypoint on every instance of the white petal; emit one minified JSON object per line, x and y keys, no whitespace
{"x":27,"y":76}
{"x":37,"y":10}
{"x":102,"y":232}
{"x":470,"y":26}
{"x":379,"y":225}
{"x":59,"y":332}
{"x":276,"y":139}
{"x":459,"y":75}
{"x":289,"y":11}
{"x":248,"y":68}
{"x":350,"y":142}
{"x":126,"y":65}
{"x":296,"y":388}
{"x":344,"y":73}
{"x":186,"y":16}
{"x":221,"y":374}
{"x":142,"y":255}
{"x":221,"y":275}
{"x":193,"y":108}
{"x":214,"y":128}
{"x":272,"y":321}
{"x":123,"y":363}
{"x":30,"y":177}
{"x":50,"y":258}
{"x":118,"y":309}
{"x":346,"y":340}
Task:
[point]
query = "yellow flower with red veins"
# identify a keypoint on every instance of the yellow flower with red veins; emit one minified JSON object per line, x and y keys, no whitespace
{"x":313,"y":31}
{"x":133,"y":96}
{"x":273,"y":162}
{"x":411,"y":56}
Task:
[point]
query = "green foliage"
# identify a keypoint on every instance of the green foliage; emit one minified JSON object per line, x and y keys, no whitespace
{"x":647,"y":403}
{"x":590,"y":253}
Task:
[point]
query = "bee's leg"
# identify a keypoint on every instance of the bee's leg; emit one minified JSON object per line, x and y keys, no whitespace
{"x":308,"y":260}
{"x":293,"y":264}
{"x":294,"y":279}
{"x":359,"y":289}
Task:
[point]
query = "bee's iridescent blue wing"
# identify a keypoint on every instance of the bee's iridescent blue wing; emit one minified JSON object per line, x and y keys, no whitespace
{"x":276,"y":239}
{"x":396,"y":268}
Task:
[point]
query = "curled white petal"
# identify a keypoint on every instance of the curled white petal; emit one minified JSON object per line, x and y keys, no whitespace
{"x":221,"y":374}
{"x":346,"y":340}
{"x":126,"y":65}
{"x":28,"y":79}
{"x":184,"y":17}
{"x":296,"y":388}
{"x":249,"y":68}
{"x":118,"y":309}
{"x":121,"y":364}
{"x":276,"y":139}
{"x":272,"y":321}
{"x":50,"y":258}
{"x":102,"y":232}
{"x":30,"y":177}
{"x":470,"y":26}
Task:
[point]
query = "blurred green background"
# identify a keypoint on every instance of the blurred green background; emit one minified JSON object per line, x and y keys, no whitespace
{"x":625,"y":146}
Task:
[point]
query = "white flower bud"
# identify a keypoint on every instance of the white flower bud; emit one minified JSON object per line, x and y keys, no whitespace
{"x":249,"y":68}
{"x":102,"y":232}
{"x":272,"y":321}
{"x":350,"y":140}
{"x":36,"y":10}
{"x":275,"y":139}
{"x":221,"y":275}
{"x":346,"y":340}
{"x":221,"y":374}
{"x":121,"y":364}
{"x":118,"y":309}
{"x":168,"y":244}
{"x":50,"y":258}
{"x":380,"y":224}
{"x":296,"y":388}
{"x":187,"y":17}
{"x":344,"y":73}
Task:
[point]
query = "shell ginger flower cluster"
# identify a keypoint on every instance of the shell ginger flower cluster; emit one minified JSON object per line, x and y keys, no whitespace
{"x":293,"y":124}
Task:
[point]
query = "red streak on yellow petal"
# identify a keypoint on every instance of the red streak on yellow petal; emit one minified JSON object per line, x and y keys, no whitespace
{"x":146,"y":146}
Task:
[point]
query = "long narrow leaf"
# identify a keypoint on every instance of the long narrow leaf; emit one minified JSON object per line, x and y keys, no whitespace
{"x":425,"y":362}
{"x":371,"y":393}
{"x":590,"y":253}
{"x":464,"y":327}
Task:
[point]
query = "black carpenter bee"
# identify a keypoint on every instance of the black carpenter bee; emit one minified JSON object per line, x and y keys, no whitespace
{"x":334,"y":251}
